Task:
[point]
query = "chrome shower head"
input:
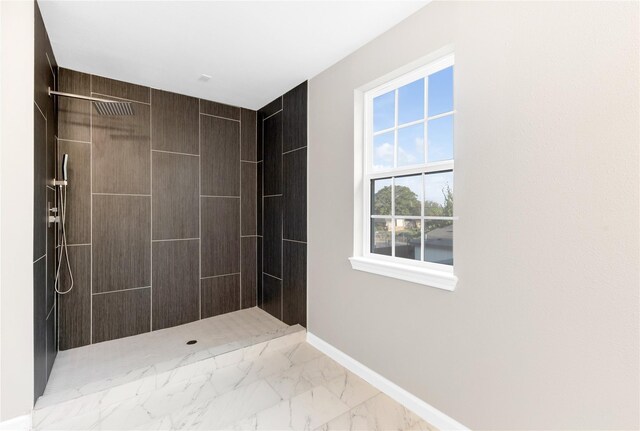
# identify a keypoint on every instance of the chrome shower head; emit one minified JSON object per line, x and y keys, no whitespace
{"x":113,"y":108}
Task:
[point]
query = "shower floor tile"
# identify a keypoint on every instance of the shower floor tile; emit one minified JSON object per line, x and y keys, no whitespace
{"x":80,"y":367}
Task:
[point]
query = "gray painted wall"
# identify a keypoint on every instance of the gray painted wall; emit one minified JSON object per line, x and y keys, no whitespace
{"x":542,"y":330}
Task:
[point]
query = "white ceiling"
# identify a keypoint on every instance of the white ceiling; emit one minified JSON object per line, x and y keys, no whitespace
{"x":253,"y":50}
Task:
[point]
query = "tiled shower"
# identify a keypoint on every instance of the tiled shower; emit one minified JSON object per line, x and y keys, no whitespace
{"x":165,"y":210}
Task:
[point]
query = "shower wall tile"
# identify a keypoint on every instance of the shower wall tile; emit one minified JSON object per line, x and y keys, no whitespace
{"x":40,"y":326}
{"x":294,"y":166}
{"x":74,"y":121}
{"x":175,"y":283}
{"x":294,"y":283}
{"x":121,"y":314}
{"x":220,"y":235}
{"x":122,"y":90}
{"x":174,"y":122}
{"x":74,"y":308}
{"x":175,"y":196}
{"x":249,"y":272}
{"x":294,"y":118}
{"x":248,"y":126}
{"x":272,"y":296}
{"x":52,"y":339}
{"x":259,"y":272}
{"x":219,"y":109}
{"x":220,"y":295}
{"x":51,"y":253}
{"x":121,"y":158}
{"x":40,"y":184}
{"x":273,"y":155}
{"x":121,"y":242}
{"x":78,"y":195}
{"x":272,"y":248}
{"x":260,"y":137}
{"x":259,"y":203}
{"x":272,"y":107}
{"x":219,"y":156}
{"x":248,"y":198}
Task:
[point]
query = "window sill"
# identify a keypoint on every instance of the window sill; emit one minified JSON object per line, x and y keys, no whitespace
{"x":428,"y":277}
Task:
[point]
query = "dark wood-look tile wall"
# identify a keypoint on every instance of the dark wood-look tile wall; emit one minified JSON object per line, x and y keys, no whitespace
{"x":259,"y":271}
{"x":121,"y":314}
{"x":282,"y":257}
{"x":174,"y":122}
{"x":220,"y":295}
{"x":120,"y":153}
{"x":248,"y":198}
{"x":294,"y":283}
{"x":44,"y":237}
{"x":121,"y":242}
{"x":294,"y":118}
{"x":78,"y":193}
{"x":272,"y":129}
{"x":175,"y":196}
{"x":74,"y":115}
{"x":220,"y":224}
{"x":219,"y":109}
{"x":219,"y":156}
{"x":294,"y":217}
{"x":249,"y":271}
{"x":157,"y":170}
{"x":74,"y":309}
{"x":120,"y":89}
{"x":272,"y":248}
{"x":176,"y":281}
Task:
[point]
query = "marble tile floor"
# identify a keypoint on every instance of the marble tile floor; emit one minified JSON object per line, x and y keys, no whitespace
{"x":276,"y":386}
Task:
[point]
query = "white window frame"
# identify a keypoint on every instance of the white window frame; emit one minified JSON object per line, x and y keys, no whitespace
{"x":427,"y":273}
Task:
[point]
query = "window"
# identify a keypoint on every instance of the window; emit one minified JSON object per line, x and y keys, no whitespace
{"x":408,"y":181}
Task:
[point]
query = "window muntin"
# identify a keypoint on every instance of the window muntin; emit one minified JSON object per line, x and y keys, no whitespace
{"x":409,"y":168}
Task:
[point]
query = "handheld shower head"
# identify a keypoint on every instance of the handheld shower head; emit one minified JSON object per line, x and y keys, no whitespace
{"x":65,"y":163}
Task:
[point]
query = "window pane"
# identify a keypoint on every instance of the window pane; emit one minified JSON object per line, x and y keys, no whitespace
{"x":441,"y":92}
{"x":384,"y":113}
{"x":381,"y":236}
{"x":411,"y":145}
{"x":438,"y":241}
{"x":408,"y":238}
{"x":381,"y":197}
{"x":438,"y":191}
{"x":440,"y":139}
{"x":408,"y":195}
{"x":383,"y":151}
{"x":411,"y":102}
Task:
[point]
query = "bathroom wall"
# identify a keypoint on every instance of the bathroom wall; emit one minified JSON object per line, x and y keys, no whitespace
{"x":44,"y":235}
{"x":282,"y":179}
{"x":161,"y":210}
{"x":542,"y":329}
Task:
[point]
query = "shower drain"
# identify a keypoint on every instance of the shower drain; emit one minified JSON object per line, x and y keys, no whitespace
{"x":192,"y":341}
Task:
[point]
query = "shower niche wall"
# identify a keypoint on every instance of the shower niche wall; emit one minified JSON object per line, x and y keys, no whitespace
{"x":164,"y":218}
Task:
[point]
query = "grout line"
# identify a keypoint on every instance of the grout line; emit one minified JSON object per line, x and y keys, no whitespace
{"x":293,"y":240}
{"x":50,"y":188}
{"x":266,"y":118}
{"x":124,"y":99}
{"x":212,"y":196}
{"x":73,"y":140}
{"x":277,"y":278}
{"x":199,"y":213}
{"x":271,"y":196}
{"x":291,"y":151}
{"x":77,"y":245}
{"x":248,"y":161}
{"x":120,"y":194}
{"x":250,"y":236}
{"x":217,"y":276}
{"x":151,"y":210}
{"x":175,"y":152}
{"x":174,"y":239}
{"x":121,"y":290}
{"x":222,"y":118}
{"x":43,"y":116}
{"x":40,"y":258}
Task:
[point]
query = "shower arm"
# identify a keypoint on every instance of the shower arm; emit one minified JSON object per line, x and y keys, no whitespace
{"x":78,"y":96}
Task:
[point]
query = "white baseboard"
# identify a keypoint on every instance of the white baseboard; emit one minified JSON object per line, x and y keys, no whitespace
{"x":427,"y":412}
{"x":20,"y":423}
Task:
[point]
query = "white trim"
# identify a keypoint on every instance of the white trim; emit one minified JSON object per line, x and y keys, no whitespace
{"x":413,"y":273}
{"x":427,"y":412}
{"x":19,"y":423}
